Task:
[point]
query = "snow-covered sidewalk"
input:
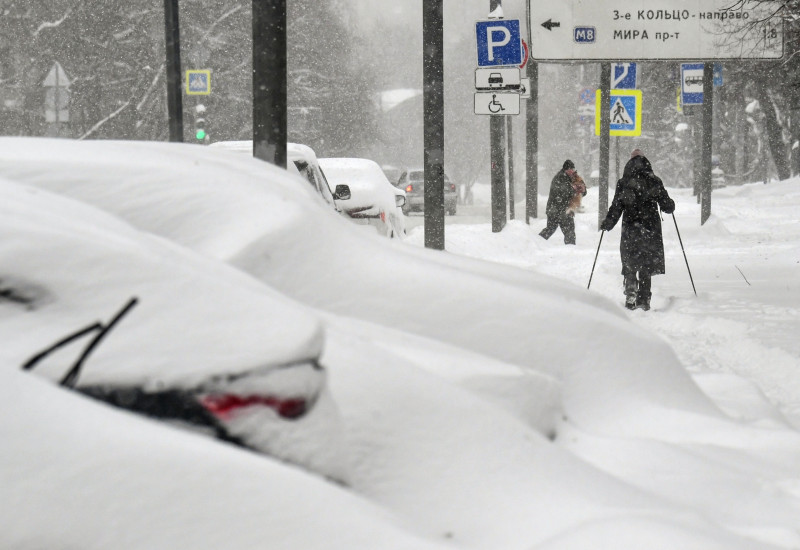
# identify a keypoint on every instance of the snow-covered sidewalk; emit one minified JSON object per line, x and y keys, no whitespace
{"x":738,"y":336}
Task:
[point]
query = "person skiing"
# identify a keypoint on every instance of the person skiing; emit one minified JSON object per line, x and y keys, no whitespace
{"x":637,"y":198}
{"x":561,"y":193}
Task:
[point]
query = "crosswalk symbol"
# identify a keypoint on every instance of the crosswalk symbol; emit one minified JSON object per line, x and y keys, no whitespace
{"x":625,"y":116}
{"x":198,"y":82}
{"x":619,"y":115}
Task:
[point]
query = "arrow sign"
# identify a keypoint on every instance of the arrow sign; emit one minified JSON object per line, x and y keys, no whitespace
{"x":56,"y":77}
{"x":624,"y":76}
{"x":550,"y":24}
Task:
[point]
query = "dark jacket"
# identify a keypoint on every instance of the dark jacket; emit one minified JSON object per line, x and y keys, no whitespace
{"x":560,"y":194}
{"x":638,"y":196}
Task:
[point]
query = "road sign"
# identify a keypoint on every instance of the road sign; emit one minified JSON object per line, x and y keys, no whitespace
{"x":499,"y":42}
{"x":497,"y":79}
{"x":625,"y":114}
{"x":198,"y":82}
{"x":678,"y":29}
{"x":56,"y":77}
{"x":57,"y":95}
{"x":717,"y":74}
{"x":496,"y":103}
{"x":624,"y":76}
{"x":524,"y":88}
{"x":691,"y":84}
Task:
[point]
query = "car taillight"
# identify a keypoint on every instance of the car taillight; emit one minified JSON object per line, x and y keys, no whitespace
{"x":224,"y":406}
{"x":409,"y":188}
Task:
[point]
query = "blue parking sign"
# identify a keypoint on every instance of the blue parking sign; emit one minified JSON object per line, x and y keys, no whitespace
{"x":499,"y":42}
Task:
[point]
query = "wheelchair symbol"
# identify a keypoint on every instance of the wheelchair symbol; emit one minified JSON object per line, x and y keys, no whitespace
{"x":494,"y":106}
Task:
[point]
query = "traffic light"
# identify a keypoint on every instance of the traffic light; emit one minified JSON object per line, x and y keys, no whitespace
{"x":200,"y":129}
{"x":200,"y":133}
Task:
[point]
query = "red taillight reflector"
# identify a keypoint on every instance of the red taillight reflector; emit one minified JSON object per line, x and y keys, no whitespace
{"x":225,"y":405}
{"x":409,"y":188}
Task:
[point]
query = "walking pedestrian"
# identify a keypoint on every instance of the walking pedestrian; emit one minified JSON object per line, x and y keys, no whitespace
{"x":637,"y":199}
{"x":558,"y":213}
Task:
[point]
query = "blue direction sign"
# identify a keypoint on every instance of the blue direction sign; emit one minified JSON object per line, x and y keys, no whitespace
{"x":717,"y":74}
{"x":625,"y":114}
{"x":624,"y":76}
{"x":499,"y":42}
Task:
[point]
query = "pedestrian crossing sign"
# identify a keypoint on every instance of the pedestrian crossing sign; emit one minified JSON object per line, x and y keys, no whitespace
{"x":198,"y":82}
{"x":625,"y":116}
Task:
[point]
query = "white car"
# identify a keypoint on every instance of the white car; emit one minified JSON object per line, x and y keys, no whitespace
{"x":301,"y":161}
{"x":372,"y":196}
{"x":168,"y":346}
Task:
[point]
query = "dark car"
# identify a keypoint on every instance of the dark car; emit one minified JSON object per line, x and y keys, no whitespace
{"x":413,"y":183}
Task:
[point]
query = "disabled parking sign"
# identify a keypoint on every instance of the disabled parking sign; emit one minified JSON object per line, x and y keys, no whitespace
{"x":625,"y":116}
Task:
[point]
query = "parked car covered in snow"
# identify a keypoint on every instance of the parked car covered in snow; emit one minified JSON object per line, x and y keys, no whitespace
{"x":373,"y":197}
{"x":148,"y":344}
{"x":301,"y":161}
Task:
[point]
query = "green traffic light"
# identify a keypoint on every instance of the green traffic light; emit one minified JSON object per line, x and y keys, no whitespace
{"x":200,"y":134}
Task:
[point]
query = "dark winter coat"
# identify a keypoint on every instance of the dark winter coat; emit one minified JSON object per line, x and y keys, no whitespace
{"x":561,"y":193}
{"x":638,"y":196}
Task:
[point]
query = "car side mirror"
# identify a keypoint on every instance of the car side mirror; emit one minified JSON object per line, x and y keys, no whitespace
{"x":342,"y":192}
{"x":399,"y":200}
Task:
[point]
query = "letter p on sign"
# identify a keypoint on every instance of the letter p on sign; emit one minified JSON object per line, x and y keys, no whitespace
{"x":499,"y":42}
{"x":492,"y":44}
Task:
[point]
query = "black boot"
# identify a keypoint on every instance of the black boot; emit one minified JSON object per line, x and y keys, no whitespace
{"x":643,"y":294}
{"x":629,"y":283}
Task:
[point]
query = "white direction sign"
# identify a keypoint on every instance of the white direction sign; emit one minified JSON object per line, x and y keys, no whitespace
{"x":497,"y":79}
{"x":639,"y":29}
{"x":496,"y":103}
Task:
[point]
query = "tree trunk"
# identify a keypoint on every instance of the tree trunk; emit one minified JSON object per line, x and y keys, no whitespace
{"x":774,"y":134}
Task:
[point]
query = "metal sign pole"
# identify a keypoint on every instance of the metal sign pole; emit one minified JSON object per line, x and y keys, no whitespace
{"x":269,"y":81}
{"x":510,"y":146}
{"x":433,"y":101}
{"x":605,"y":140}
{"x":708,"y":114}
{"x":498,"y":160}
{"x":532,"y":135}
{"x":173,"y":45}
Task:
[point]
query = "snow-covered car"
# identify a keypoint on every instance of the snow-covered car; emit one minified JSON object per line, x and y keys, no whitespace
{"x":169,"y":345}
{"x":373,"y":197}
{"x":413,"y":183}
{"x":301,"y":161}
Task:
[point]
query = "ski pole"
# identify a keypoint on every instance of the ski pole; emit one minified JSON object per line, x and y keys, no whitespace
{"x":684,"y":253}
{"x":595,"y":258}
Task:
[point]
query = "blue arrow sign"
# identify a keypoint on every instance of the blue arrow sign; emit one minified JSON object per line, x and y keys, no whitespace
{"x":499,"y":42}
{"x":717,"y":74}
{"x":624,"y":76}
